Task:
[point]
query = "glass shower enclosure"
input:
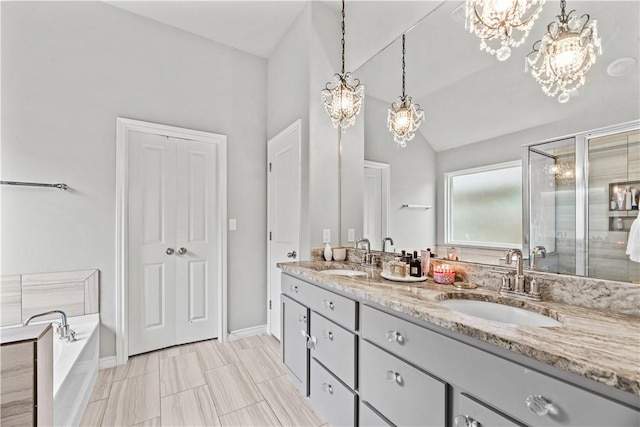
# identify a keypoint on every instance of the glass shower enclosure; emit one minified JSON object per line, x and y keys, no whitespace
{"x":581,"y":196}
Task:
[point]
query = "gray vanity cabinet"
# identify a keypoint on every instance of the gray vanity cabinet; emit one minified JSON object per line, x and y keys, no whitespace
{"x":294,"y":343}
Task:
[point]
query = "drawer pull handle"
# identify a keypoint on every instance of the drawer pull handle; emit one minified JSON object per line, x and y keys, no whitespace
{"x":395,"y":336}
{"x":465,"y":421}
{"x":539,"y":405}
{"x":327,"y":388}
{"x":327,"y":335}
{"x":394,"y":376}
{"x":302,"y":318}
{"x":293,"y":288}
{"x":329,"y":304}
{"x":311,"y":342}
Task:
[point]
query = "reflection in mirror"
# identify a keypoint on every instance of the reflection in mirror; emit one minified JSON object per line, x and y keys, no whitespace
{"x":478,"y":112}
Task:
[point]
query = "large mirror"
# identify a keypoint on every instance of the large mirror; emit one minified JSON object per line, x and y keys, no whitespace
{"x":479,"y":112}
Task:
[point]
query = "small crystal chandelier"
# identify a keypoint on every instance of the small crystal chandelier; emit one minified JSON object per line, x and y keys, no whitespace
{"x":404,"y":117}
{"x":507,"y":21}
{"x":560,"y":172}
{"x":560,"y":61}
{"x":343,"y":101}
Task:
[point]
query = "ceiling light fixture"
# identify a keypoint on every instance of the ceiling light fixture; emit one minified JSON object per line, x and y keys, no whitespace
{"x":560,"y":61}
{"x":506,"y":21}
{"x":404,"y":116}
{"x":343,"y":101}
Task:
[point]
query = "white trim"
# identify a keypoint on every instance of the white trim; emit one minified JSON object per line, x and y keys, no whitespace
{"x":247,"y":332}
{"x":447,"y":213}
{"x":107,"y":362}
{"x":295,"y":126}
{"x":123,"y":126}
{"x":385,"y":171}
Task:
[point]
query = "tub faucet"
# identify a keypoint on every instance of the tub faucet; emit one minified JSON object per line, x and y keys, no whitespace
{"x":534,"y":254}
{"x":384,"y":243}
{"x":366,"y":258}
{"x":62,"y":329}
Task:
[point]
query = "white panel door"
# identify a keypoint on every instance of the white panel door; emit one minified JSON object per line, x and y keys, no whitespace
{"x":197,"y":239}
{"x":152,"y":232}
{"x":372,"y":224}
{"x":283,"y":212}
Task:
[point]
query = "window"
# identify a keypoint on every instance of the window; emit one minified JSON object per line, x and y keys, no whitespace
{"x":484,"y":206}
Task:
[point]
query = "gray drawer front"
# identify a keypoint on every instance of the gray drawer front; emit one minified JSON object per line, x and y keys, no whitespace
{"x":332,"y":306}
{"x":294,"y":345}
{"x":412,"y":399}
{"x":331,"y":398}
{"x":505,"y":385}
{"x":368,"y":418}
{"x":335,"y":348}
{"x":483,"y":415}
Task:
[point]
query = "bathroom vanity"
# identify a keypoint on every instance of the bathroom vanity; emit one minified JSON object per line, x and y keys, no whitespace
{"x":367,"y":351}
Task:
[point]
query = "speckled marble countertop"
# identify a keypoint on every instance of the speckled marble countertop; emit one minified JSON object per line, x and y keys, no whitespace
{"x":596,"y":344}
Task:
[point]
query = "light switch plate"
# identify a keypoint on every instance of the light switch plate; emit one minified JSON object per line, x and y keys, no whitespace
{"x":351,"y":235}
{"x":326,"y":235}
{"x":233,"y":224}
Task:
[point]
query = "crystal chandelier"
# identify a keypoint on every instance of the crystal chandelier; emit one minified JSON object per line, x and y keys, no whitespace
{"x":343,"y":101}
{"x":404,"y":117}
{"x":560,"y":172}
{"x":506,"y":21}
{"x":560,"y":61}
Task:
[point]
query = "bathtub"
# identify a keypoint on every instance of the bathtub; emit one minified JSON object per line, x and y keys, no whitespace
{"x":75,"y":369}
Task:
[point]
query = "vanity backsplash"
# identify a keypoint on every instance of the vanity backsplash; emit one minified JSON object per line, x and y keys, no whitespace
{"x":618,"y":297}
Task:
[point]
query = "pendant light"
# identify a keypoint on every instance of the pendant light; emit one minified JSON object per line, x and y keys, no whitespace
{"x":404,"y":116}
{"x":506,"y":21}
{"x":343,"y":101}
{"x":561,"y":60}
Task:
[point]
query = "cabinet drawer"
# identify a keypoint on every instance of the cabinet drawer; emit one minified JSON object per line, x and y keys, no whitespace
{"x":470,"y":410}
{"x":335,"y":348}
{"x":331,"y":398}
{"x":405,"y":395}
{"x":331,"y":305}
{"x":367,"y":417}
{"x":294,"y":344}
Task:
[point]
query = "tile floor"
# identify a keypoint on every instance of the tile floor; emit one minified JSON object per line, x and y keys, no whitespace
{"x":209,"y":383}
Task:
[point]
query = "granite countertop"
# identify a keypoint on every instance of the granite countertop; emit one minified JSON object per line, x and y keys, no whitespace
{"x":592,"y":343}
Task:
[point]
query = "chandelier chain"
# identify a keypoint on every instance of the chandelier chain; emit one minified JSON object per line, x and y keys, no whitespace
{"x":563,"y":6}
{"x":342,"y":41}
{"x":403,"y":65}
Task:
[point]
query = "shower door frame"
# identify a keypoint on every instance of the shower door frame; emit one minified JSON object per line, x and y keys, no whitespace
{"x":582,"y":189}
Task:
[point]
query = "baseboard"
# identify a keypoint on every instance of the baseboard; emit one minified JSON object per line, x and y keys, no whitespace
{"x":107,"y":362}
{"x":247,"y":332}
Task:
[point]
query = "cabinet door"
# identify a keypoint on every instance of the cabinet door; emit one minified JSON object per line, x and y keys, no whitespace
{"x":295,"y":321}
{"x":470,"y":411}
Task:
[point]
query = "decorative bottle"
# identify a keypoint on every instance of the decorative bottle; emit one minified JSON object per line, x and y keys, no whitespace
{"x":328,"y":253}
{"x":415,"y":266}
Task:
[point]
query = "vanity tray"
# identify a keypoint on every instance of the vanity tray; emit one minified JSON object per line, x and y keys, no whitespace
{"x":402,"y":279}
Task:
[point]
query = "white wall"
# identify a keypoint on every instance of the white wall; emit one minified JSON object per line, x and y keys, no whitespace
{"x":68,"y":70}
{"x":413,"y":178}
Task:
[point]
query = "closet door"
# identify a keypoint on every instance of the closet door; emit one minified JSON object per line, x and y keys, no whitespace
{"x":197,"y":241}
{"x":152,"y":241}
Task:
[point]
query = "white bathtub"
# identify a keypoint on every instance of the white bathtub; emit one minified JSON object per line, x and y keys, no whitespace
{"x":75,"y":369}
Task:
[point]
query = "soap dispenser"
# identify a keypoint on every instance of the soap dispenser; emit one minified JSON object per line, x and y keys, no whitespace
{"x":328,"y":253}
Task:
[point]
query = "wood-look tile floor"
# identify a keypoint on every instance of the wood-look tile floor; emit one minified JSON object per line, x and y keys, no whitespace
{"x":209,"y":383}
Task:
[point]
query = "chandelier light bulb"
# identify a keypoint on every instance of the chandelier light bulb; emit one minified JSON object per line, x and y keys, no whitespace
{"x":343,"y":101}
{"x":560,"y":61}
{"x":501,"y":24}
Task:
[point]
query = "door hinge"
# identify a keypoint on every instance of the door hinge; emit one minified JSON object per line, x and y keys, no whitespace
{"x":269,"y":166}
{"x":269,"y":236}
{"x":269,"y":304}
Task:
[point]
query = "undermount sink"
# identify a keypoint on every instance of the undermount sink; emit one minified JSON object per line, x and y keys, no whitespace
{"x":344,"y":272}
{"x":499,"y":313}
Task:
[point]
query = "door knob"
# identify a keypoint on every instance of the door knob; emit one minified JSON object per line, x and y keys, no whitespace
{"x":182,"y":251}
{"x":292,"y":254}
{"x":170,"y":251}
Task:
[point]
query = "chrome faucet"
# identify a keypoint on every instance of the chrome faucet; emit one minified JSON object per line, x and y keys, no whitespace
{"x":534,"y":254}
{"x":366,"y":258}
{"x":384,"y":243}
{"x":62,"y":329}
{"x":519,"y":287}
{"x":519,"y":279}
